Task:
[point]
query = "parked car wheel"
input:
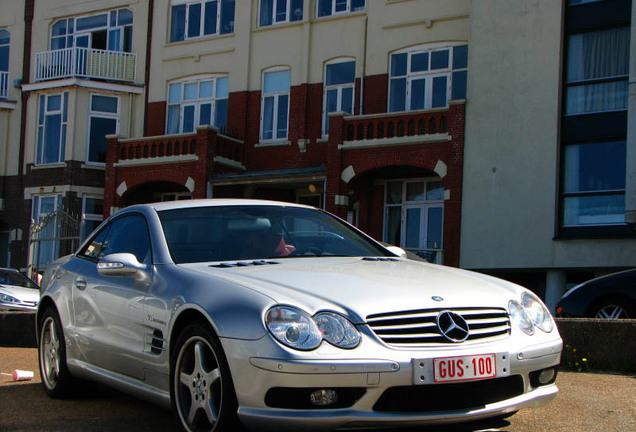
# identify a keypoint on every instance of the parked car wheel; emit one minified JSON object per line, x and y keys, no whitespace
{"x":614,"y":308}
{"x":202,"y":390}
{"x":56,"y":379}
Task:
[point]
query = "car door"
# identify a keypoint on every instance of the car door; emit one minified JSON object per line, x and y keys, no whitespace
{"x":108,"y":310}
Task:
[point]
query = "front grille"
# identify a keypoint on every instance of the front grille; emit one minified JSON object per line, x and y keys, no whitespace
{"x":419,"y":327}
{"x":449,"y":397}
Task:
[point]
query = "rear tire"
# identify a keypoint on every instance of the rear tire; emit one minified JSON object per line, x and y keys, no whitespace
{"x":56,"y":379}
{"x":614,"y":308}
{"x":201,"y":389}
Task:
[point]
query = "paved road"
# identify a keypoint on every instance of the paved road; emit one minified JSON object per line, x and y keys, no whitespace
{"x":587,"y":402}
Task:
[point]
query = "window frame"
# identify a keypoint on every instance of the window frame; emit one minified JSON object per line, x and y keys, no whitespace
{"x":70,"y":34}
{"x":189,"y":4}
{"x":103,"y":115}
{"x":5,"y":50}
{"x":41,"y":136}
{"x":196,"y":102}
{"x":273,"y":18}
{"x":334,"y":3}
{"x":36,"y":216}
{"x":275,"y":107}
{"x":429,"y":75}
{"x":339,"y":88}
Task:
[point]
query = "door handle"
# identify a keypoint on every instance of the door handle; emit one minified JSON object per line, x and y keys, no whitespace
{"x":80,"y":284}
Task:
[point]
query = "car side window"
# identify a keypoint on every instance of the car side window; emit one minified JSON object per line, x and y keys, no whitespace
{"x":127,"y":234}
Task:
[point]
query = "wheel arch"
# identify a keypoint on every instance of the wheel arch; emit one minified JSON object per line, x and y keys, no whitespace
{"x":607,"y":297}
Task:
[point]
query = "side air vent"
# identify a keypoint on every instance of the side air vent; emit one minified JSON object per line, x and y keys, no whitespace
{"x":157,"y":343}
{"x":244,"y":264}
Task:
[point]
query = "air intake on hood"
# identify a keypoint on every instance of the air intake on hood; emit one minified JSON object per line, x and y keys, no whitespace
{"x":244,"y":264}
{"x":379,"y":259}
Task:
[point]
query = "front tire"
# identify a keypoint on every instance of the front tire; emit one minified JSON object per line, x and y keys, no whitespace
{"x":56,"y":379}
{"x":201,"y":388}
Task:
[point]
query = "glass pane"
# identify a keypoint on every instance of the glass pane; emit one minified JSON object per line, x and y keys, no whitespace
{"x":341,"y":73}
{"x":394,"y":192}
{"x":4,"y":59}
{"x":331,"y":106}
{"x":114,"y":40}
{"x":194,"y":20}
{"x":188,"y":118}
{"x":347,"y":100}
{"x":281,"y":10}
{"x":357,"y":5}
{"x":177,"y":31}
{"x":440,"y":89}
{"x":398,"y":64}
{"x":222,"y":90}
{"x":277,"y":81}
{"x":209,"y":25}
{"x":42,"y":109}
{"x":413,"y":228}
{"x":227,"y":16}
{"x":94,"y":206}
{"x":205,"y":114}
{"x":324,"y":7}
{"x":91,"y":22}
{"x":268,"y":118}
{"x":397,"y":96}
{"x":415,"y":191}
{"x":100,"y":127}
{"x":266,"y":12}
{"x":434,"y":227}
{"x":53,"y":128}
{"x":174,"y":93}
{"x":125,"y":17}
{"x":595,"y":167}
{"x":460,"y":57}
{"x":341,"y":5}
{"x":172,"y":126}
{"x":598,"y":54}
{"x":418,"y":94}
{"x":104,"y":104}
{"x":54,"y":103}
{"x":4,"y":37}
{"x":191,"y":91}
{"x":206,"y":89}
{"x":594,"y":210}
{"x":608,"y":96}
{"x":439,"y":59}
{"x":459,"y":85}
{"x":59,"y":28}
{"x":281,"y":121}
{"x":434,"y":191}
{"x":220,"y":120}
{"x":296,"y":12}
{"x":419,"y":62}
{"x":393,"y":225}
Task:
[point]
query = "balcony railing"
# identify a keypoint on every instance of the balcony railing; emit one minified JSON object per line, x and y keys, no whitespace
{"x":4,"y":85}
{"x":88,"y":63}
{"x":396,"y":125}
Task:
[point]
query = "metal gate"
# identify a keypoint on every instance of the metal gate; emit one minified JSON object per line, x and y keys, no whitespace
{"x":55,"y":235}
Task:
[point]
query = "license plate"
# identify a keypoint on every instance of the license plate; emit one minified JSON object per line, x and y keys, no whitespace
{"x":465,"y":368}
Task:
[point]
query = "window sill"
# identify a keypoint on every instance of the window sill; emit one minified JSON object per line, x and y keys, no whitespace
{"x":264,"y":144}
{"x":206,"y":38}
{"x":94,"y":165}
{"x":49,"y":166}
{"x":595,"y":232}
{"x":342,"y":15}
{"x":278,"y":26}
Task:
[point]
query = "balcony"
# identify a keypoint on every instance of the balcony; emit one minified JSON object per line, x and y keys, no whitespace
{"x":89,"y":63}
{"x":201,"y":145}
{"x":4,"y":85}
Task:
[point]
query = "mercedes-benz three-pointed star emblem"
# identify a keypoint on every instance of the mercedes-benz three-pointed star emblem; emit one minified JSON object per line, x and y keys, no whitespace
{"x":452,"y":326}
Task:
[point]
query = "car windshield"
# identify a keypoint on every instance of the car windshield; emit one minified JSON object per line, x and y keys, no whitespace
{"x":234,"y":233}
{"x":8,"y":277}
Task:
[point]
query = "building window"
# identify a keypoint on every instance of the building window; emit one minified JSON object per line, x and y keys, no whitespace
{"x":52,"y":120}
{"x":197,"y":102}
{"x":110,"y":31}
{"x":175,"y":196}
{"x":414,"y":216}
{"x":92,"y":216}
{"x":46,"y":246}
{"x":275,"y":105}
{"x":597,"y":71}
{"x":339,"y":90}
{"x":103,"y":120}
{"x":280,"y":11}
{"x":334,"y":7}
{"x":5,"y":38}
{"x":594,"y":184}
{"x":195,"y":19}
{"x":425,"y":78}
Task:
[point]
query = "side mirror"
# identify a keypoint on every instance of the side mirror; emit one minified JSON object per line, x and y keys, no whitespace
{"x":397,"y":251}
{"x":121,"y":265}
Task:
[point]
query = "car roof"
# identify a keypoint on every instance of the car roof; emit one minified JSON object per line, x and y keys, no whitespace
{"x":213,"y":202}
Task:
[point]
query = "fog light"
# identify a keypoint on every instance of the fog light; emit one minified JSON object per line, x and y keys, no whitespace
{"x":323,"y":398}
{"x":547,"y":376}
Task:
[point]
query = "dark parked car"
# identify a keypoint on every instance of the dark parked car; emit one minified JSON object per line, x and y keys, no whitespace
{"x":612,"y":296}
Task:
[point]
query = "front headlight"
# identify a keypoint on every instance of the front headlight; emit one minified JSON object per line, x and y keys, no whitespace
{"x":6,"y":298}
{"x":530,"y":313}
{"x":297,"y":329}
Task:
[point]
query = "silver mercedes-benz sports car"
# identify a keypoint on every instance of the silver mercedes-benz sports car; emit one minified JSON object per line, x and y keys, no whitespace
{"x":275,"y":315}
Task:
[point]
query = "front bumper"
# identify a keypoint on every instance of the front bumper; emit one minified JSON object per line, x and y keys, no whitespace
{"x":369,"y":381}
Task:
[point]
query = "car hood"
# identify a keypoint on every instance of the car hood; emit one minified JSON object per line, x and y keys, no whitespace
{"x":21,"y":293}
{"x":360,"y":287}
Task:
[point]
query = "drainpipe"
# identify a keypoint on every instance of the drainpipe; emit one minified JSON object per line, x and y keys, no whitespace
{"x":364,"y":65}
